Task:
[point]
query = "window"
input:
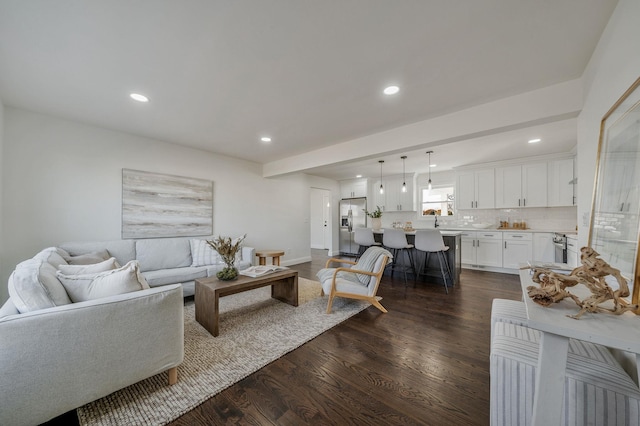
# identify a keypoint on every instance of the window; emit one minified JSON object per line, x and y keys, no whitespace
{"x":437,"y":201}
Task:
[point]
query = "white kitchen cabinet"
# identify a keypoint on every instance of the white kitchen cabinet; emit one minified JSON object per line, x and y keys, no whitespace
{"x":518,"y":249}
{"x":393,"y":198}
{"x":572,"y":251}
{"x":475,"y":189}
{"x":521,"y":185}
{"x":481,"y":248}
{"x":560,"y":183}
{"x":543,"y":248}
{"x":353,"y":188}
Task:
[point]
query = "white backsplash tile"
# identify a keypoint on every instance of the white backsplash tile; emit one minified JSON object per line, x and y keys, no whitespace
{"x":543,"y":218}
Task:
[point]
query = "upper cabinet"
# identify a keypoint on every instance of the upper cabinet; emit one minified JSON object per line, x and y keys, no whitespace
{"x":353,"y":188}
{"x":393,"y":198}
{"x":475,"y":189}
{"x":560,"y":183}
{"x":521,"y":185}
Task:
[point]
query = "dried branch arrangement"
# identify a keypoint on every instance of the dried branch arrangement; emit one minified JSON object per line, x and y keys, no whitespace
{"x":592,"y":273}
{"x":227,"y":248}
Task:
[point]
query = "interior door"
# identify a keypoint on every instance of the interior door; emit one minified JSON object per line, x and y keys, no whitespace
{"x":320,"y":218}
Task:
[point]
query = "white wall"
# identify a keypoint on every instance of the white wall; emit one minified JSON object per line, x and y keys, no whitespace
{"x":3,"y":288}
{"x":613,"y":67}
{"x":62,"y":182}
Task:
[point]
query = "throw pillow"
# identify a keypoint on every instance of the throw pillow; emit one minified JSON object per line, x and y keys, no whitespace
{"x":89,"y":258}
{"x":33,"y":286}
{"x":203,"y":254}
{"x":110,"y":283}
{"x":53,"y":255}
{"x":94,"y":268}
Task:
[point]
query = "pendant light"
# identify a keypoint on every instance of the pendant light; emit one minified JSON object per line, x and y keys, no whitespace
{"x":381,"y":187}
{"x":429,"y":152}
{"x":404,"y":181}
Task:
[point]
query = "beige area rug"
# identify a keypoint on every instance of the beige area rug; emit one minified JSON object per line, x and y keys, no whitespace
{"x":254,"y":331}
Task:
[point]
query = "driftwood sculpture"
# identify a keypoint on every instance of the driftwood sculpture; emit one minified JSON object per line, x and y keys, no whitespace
{"x":592,"y":273}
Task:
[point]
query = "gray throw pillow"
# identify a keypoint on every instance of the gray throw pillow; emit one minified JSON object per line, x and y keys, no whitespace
{"x":94,"y":268}
{"x":89,"y":258}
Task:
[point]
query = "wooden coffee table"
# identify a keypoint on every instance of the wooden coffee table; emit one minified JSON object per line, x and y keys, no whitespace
{"x":284,"y":287}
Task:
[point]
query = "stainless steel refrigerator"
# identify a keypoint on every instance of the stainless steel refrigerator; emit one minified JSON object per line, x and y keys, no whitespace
{"x":352,"y":216}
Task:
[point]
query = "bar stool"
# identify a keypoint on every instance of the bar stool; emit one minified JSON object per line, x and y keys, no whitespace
{"x":364,"y":238}
{"x":396,"y":241}
{"x":430,"y":241}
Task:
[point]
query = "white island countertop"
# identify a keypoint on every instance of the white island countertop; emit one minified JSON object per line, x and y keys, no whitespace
{"x":446,"y":232}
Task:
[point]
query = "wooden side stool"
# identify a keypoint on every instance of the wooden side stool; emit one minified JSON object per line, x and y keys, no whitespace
{"x":273,"y":254}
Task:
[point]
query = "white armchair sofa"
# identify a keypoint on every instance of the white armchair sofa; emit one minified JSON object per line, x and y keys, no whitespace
{"x":60,"y":358}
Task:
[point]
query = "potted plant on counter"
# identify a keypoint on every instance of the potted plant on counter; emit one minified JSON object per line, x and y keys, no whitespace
{"x":376,"y":217}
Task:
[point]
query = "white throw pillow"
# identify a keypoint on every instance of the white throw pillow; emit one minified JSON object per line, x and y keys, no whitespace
{"x":89,"y":258}
{"x":33,"y":285}
{"x":94,"y":268}
{"x":94,"y":286}
{"x":203,"y":254}
{"x":52,"y":255}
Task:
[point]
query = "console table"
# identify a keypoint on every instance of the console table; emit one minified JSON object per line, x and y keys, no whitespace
{"x":615,"y":331}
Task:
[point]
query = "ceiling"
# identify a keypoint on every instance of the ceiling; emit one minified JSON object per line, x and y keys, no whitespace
{"x":309,"y":74}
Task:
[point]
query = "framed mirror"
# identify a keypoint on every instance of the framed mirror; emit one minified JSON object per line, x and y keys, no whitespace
{"x":615,"y":227}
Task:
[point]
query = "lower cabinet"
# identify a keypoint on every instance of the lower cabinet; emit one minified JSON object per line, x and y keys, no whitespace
{"x":482,"y":248}
{"x":543,"y":248}
{"x":518,"y":249}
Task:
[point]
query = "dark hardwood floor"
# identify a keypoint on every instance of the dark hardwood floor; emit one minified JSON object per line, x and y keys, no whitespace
{"x":424,"y":362}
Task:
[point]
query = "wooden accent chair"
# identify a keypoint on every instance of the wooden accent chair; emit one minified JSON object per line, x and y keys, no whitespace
{"x":360,"y":281}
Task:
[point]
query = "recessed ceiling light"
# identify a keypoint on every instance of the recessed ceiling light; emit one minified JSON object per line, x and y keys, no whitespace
{"x":358,"y":176}
{"x":265,"y":139}
{"x":391,"y":90}
{"x":432,"y":165}
{"x":534,"y":140}
{"x":138,"y":97}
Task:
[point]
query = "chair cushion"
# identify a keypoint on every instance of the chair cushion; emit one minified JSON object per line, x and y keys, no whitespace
{"x":326,"y":274}
{"x":367,"y":262}
{"x":511,"y":311}
{"x":163,"y":253}
{"x":345,"y":286}
{"x":597,"y":390}
{"x":174,"y":275}
{"x":110,"y":283}
{"x":33,"y":285}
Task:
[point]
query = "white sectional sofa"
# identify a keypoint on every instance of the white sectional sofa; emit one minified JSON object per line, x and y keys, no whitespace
{"x":597,"y":390}
{"x":58,"y":353}
{"x":164,"y":260}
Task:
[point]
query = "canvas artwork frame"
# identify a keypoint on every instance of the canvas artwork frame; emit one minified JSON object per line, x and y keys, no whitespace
{"x":156,"y":205}
{"x":614,"y":231}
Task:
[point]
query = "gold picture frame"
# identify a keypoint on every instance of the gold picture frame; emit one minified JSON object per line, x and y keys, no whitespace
{"x":614,"y":231}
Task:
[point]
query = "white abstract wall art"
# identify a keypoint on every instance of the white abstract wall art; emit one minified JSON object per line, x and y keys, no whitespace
{"x":157,"y":205}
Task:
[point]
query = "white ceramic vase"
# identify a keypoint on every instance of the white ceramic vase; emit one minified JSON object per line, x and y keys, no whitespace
{"x":376,"y":223}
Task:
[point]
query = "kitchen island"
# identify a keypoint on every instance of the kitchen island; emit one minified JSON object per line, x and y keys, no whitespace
{"x":452,"y":239}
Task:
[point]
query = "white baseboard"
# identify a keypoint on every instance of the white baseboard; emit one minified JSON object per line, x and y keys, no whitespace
{"x":296,"y":261}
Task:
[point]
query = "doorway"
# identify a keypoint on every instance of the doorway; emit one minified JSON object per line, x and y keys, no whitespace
{"x":320,"y":218}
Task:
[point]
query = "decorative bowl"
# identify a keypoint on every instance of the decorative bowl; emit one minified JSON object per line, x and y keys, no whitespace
{"x":481,"y":225}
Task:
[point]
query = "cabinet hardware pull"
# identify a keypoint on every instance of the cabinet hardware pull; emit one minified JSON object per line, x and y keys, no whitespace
{"x":622,"y":207}
{"x":472,"y":204}
{"x":524,"y":202}
{"x":505,"y":244}
{"x":517,"y":236}
{"x":518,"y":202}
